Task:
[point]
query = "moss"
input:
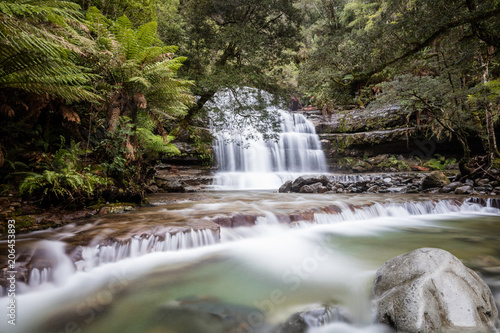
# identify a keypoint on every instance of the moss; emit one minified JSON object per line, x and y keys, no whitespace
{"x":496,"y":163}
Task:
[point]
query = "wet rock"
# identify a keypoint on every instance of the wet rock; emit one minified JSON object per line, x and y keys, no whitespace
{"x":435,"y":179}
{"x":306,"y":189}
{"x":206,"y":315}
{"x":319,"y":188}
{"x":286,"y":187}
{"x":171,"y":185}
{"x":300,"y":322}
{"x":482,"y":182}
{"x":151,"y":188}
{"x":304,"y":180}
{"x":430,"y":290}
{"x":116,"y":209}
{"x":451,"y":187}
{"x":463,"y":189}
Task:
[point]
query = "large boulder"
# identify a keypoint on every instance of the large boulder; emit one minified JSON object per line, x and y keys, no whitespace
{"x":429,"y":290}
{"x":307,"y":180}
{"x":435,"y":179}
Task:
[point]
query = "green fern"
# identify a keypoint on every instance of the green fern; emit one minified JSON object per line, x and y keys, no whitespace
{"x":63,"y":177}
{"x":38,"y":45}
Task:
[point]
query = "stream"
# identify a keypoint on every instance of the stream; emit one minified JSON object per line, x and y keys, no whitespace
{"x":240,"y":259}
{"x":248,"y":278}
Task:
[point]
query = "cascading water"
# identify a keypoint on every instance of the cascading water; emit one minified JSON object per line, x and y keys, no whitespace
{"x":255,"y":163}
{"x":255,"y":277}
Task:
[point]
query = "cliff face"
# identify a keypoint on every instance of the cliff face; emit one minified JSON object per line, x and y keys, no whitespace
{"x":352,"y":138}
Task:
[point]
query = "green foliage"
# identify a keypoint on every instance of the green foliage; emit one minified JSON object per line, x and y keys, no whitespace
{"x":155,"y":144}
{"x":394,"y":162}
{"x":136,"y":62}
{"x":63,"y":177}
{"x":233,"y":44}
{"x":365,"y":42}
{"x":439,"y":162}
{"x":138,"y":11}
{"x":39,"y":46}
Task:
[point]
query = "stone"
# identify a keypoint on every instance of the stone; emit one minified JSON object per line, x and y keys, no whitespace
{"x":451,"y":187}
{"x":362,"y":166}
{"x":319,"y":188}
{"x":306,"y":189}
{"x":151,"y":188}
{"x":300,"y":322}
{"x":172,"y":186}
{"x":373,"y":189}
{"x":482,"y":182}
{"x":435,"y":179}
{"x":463,"y":189}
{"x":377,"y":159}
{"x":430,"y":290}
{"x":286,"y":187}
{"x":304,"y":180}
{"x":204,"y":314}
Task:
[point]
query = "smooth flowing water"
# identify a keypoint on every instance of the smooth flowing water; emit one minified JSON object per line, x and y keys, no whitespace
{"x":246,"y":160}
{"x":249,"y":278}
{"x":243,"y":261}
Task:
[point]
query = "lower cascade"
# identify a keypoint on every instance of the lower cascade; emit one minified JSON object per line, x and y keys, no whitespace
{"x":256,"y":163}
{"x":250,"y":278}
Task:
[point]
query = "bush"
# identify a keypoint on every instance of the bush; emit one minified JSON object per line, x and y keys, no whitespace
{"x":63,"y":179}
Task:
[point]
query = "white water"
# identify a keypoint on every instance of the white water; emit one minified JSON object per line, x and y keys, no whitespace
{"x":139,"y":246}
{"x":255,"y":163}
{"x":314,"y":264}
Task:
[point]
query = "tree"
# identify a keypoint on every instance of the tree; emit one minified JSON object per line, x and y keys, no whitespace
{"x":39,"y":44}
{"x":139,"y":12}
{"x":140,"y":83}
{"x":372,"y":40}
{"x":233,"y":43}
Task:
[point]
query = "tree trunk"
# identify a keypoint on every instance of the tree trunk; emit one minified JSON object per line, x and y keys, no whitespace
{"x":192,"y":112}
{"x":492,"y":141}
{"x":116,"y":107}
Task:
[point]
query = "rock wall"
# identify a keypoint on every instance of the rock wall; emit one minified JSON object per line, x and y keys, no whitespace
{"x":359,"y":134}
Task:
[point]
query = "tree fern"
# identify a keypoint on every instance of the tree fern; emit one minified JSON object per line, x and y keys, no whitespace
{"x":38,"y":44}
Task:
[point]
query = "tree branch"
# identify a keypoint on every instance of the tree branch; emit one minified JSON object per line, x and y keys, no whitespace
{"x":472,"y":18}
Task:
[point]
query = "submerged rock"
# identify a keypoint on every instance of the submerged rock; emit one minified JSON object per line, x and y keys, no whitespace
{"x":429,"y":290}
{"x":200,"y":314}
{"x":301,"y":322}
{"x":435,"y":179}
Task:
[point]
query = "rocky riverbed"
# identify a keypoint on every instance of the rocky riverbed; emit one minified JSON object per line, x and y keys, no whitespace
{"x":411,"y":182}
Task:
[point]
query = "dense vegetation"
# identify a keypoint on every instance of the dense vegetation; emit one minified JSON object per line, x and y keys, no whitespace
{"x":438,"y":60}
{"x":93,"y":93}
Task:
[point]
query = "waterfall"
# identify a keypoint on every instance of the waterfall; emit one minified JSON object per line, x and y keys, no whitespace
{"x":256,"y":163}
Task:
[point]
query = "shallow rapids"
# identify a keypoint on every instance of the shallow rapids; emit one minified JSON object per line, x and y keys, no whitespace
{"x":248,"y":278}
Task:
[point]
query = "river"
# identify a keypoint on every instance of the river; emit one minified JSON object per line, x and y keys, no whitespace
{"x":249,"y":278}
{"x":239,"y":261}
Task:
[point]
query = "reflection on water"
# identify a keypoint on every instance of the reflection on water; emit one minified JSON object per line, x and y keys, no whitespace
{"x":256,"y":277}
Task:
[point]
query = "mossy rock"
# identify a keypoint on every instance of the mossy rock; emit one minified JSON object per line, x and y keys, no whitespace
{"x":435,"y":179}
